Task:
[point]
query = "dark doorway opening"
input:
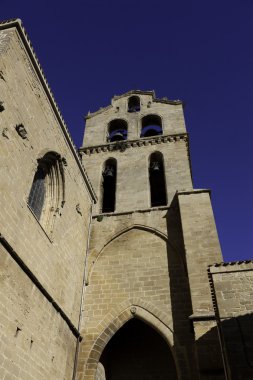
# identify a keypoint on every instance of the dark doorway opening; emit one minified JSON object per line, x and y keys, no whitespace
{"x":138,"y":352}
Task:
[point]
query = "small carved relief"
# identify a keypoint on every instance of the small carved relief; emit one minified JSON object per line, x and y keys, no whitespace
{"x":64,"y":161}
{"x":4,"y":41}
{"x":18,"y":329}
{"x":21,"y":131}
{"x":2,"y":75}
{"x":133,"y":310}
{"x":1,"y":106}
{"x":5,"y":133}
{"x":78,"y":209}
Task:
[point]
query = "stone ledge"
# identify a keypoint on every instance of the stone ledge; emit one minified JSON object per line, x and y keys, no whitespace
{"x":159,"y":208}
{"x":193,"y":191}
{"x":123,"y":145}
{"x":202,"y":318}
{"x":232,"y":266}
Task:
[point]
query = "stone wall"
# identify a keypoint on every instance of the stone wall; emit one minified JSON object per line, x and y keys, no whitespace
{"x":54,"y":259}
{"x":133,"y":187}
{"x":232,"y":287}
{"x":36,"y":343}
{"x":136,"y":268}
{"x":201,"y":247}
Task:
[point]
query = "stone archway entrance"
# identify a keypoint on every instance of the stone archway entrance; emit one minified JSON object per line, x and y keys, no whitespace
{"x":136,"y":352}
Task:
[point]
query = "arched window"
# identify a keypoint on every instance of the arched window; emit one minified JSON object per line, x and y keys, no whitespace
{"x":47,"y":191}
{"x":109,"y":185}
{"x":117,"y":130}
{"x":151,"y":126}
{"x":134,"y":104}
{"x":157,"y":180}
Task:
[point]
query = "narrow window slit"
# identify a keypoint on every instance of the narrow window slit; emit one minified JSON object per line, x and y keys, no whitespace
{"x":109,"y":185}
{"x":157,"y":180}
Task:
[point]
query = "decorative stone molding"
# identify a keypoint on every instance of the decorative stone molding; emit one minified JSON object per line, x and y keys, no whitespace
{"x":123,"y":145}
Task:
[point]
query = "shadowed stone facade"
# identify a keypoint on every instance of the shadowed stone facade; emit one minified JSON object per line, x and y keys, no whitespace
{"x":105,"y":252}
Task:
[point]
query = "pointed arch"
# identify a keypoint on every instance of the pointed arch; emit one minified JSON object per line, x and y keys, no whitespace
{"x":96,"y":254}
{"x":108,"y":330}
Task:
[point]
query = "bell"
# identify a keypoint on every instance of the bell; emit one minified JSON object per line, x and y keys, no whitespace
{"x":109,"y":171}
{"x":118,"y":136}
{"x":155,"y":166}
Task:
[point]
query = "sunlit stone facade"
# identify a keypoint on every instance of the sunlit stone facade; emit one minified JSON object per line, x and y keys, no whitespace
{"x":105,"y":251}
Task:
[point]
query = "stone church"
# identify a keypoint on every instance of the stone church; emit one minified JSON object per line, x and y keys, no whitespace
{"x":110,"y":263}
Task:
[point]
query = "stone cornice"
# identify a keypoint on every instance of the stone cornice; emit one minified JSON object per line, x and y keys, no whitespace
{"x":231,"y":266}
{"x":123,"y":145}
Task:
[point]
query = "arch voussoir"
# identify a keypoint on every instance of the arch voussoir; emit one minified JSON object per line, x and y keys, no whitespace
{"x":107,"y":332}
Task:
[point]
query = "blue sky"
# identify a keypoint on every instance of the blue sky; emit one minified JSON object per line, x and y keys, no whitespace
{"x":198,"y":51}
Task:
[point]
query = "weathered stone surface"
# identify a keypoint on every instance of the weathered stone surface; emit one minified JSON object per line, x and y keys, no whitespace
{"x":93,"y":273}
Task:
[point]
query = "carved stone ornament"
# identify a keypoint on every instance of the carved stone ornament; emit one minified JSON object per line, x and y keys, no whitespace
{"x":21,"y":131}
{"x":1,"y":106}
{"x":5,"y":133}
{"x":133,"y":310}
{"x":64,"y":161}
{"x":78,"y":209}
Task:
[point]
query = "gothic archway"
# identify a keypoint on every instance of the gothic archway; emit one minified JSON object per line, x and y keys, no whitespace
{"x":93,"y":369}
{"x":136,"y":352}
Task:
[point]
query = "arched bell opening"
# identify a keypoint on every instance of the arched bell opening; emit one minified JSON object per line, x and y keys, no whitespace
{"x":157,"y":180}
{"x":134,"y":104}
{"x":109,"y":185}
{"x":151,"y":126}
{"x":117,"y":130}
{"x":137,"y":351}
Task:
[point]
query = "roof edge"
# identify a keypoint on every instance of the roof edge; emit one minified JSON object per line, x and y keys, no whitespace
{"x":164,"y":100}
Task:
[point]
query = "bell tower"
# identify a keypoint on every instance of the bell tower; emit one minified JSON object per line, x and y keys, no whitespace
{"x":137,"y":138}
{"x":152,"y":239}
